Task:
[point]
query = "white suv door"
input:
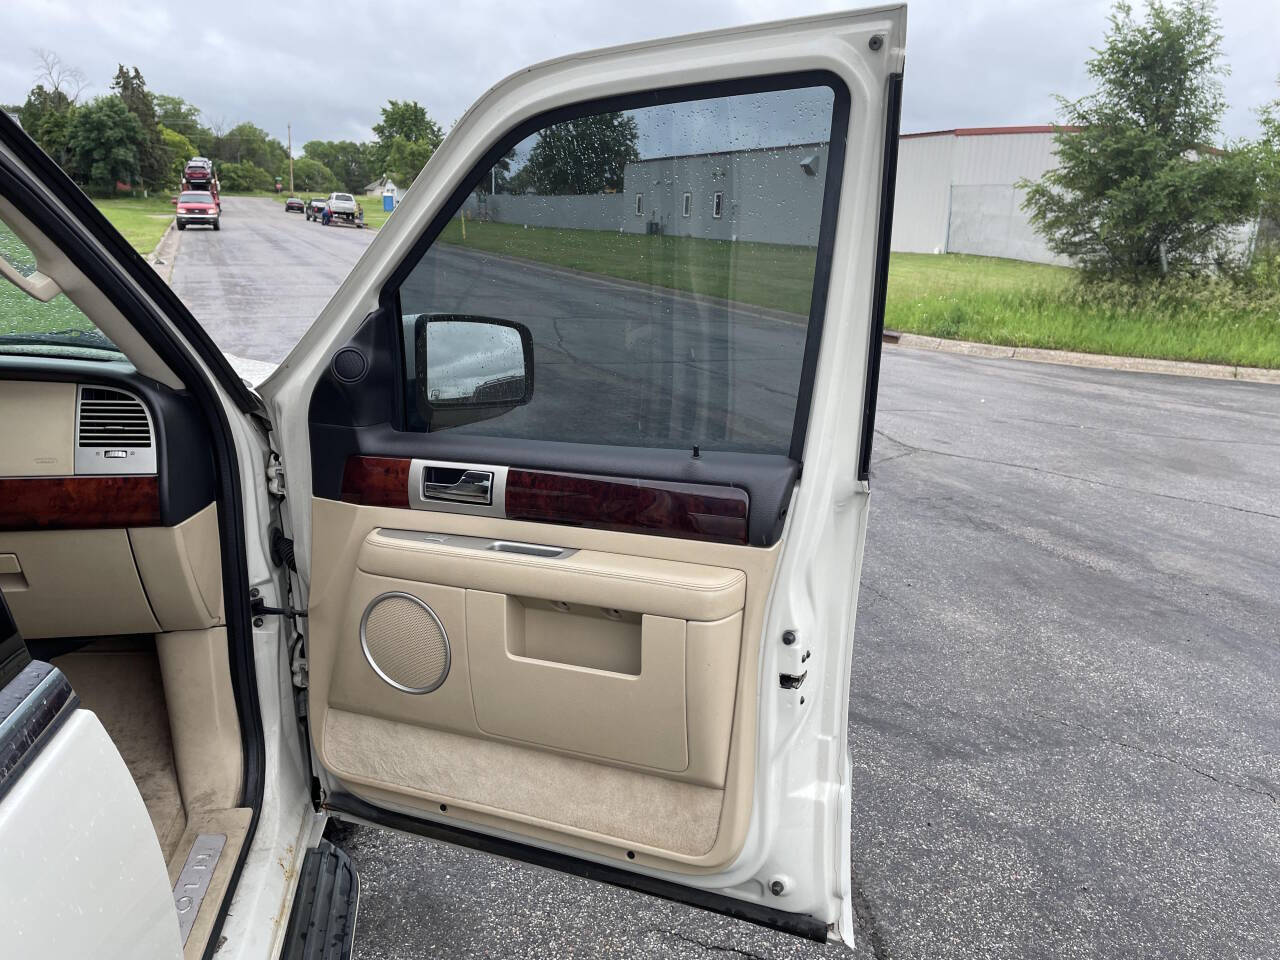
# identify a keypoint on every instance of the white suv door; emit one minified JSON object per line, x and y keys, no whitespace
{"x":577,"y":470}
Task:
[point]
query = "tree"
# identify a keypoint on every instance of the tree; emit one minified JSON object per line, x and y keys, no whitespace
{"x":59,"y":77}
{"x":179,"y":149}
{"x":1138,"y":190}
{"x":153,"y":156}
{"x":242,"y":177}
{"x":405,"y":160}
{"x":351,"y":163}
{"x":246,"y":143}
{"x":47,"y":115}
{"x":587,"y":155}
{"x":105,"y":141}
{"x":1269,"y":170}
{"x":184,"y":118}
{"x":407,"y":132}
{"x":313,"y":176}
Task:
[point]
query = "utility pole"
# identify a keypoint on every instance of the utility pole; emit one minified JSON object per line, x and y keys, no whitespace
{"x":289,"y":127}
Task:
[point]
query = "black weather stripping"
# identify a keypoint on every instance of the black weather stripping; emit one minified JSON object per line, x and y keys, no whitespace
{"x":884,"y":238}
{"x":797,"y":924}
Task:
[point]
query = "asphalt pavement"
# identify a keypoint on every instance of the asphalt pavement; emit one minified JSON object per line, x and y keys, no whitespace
{"x":1064,"y":716}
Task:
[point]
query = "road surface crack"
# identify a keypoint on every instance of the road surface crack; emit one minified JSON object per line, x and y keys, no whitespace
{"x":707,"y":945}
{"x":1157,"y":755}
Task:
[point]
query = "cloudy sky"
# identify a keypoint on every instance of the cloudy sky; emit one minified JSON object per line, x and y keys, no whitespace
{"x":969,"y":62}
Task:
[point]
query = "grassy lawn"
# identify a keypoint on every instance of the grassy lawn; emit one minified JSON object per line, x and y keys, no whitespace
{"x":1033,"y":305}
{"x":143,"y":222}
{"x":763,"y":274}
{"x":952,"y":296}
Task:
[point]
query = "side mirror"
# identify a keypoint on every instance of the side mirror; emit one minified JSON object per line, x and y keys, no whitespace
{"x":470,"y":369}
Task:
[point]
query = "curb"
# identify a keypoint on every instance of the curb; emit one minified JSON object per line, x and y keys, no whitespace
{"x":165,"y":252}
{"x":1176,"y":368}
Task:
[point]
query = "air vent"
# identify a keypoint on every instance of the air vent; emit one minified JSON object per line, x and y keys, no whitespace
{"x":109,"y":418}
{"x":114,"y":433}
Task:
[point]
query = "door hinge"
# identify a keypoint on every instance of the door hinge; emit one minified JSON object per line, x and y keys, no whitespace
{"x":275,"y":476}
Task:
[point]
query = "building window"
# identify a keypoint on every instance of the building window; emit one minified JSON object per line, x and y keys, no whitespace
{"x":639,"y":204}
{"x":717,"y":204}
{"x":686,"y":206}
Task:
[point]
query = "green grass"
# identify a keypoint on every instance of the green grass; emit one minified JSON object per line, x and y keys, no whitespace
{"x":20,"y":313}
{"x":1033,"y":305}
{"x":763,"y":274}
{"x":956,"y":297}
{"x":143,"y":222}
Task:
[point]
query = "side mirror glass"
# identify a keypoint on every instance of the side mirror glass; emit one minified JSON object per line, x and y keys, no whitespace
{"x":470,"y":369}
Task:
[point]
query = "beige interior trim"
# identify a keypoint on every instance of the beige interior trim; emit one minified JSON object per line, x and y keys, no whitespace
{"x":661,"y":587}
{"x":196,"y":670}
{"x":727,"y":585}
{"x":181,"y":570}
{"x":92,"y":302}
{"x":75,"y":583}
{"x":604,"y":804}
{"x":37,"y":433}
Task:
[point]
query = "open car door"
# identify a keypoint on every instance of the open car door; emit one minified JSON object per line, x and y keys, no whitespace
{"x":576,"y":470}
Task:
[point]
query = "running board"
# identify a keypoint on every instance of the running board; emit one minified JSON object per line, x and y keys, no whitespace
{"x":322,"y":925}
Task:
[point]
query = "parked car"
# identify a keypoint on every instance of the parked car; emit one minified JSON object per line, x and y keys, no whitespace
{"x":610,"y":635}
{"x":342,"y":206}
{"x":294,"y":205}
{"x":315,"y":208}
{"x":198,"y":207}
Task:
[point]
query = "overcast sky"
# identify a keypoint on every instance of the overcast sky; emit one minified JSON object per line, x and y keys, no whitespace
{"x":969,"y":62}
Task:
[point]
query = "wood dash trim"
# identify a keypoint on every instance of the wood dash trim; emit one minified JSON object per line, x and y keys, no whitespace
{"x":78,"y":503}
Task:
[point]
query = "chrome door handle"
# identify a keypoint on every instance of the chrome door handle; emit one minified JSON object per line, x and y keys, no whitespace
{"x":474,"y":486}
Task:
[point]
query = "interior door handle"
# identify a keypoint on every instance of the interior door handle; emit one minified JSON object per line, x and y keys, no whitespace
{"x":474,"y":486}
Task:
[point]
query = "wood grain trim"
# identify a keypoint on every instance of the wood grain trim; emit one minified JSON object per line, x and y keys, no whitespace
{"x":376,"y":481}
{"x":689,"y":510}
{"x":78,"y":503}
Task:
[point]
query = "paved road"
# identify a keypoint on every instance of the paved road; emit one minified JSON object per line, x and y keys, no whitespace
{"x":1063,"y":712}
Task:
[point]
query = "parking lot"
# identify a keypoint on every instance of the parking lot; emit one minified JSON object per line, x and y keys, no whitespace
{"x":1063,"y":710}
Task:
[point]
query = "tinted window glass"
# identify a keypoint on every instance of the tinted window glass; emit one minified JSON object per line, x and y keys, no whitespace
{"x":656,"y":321}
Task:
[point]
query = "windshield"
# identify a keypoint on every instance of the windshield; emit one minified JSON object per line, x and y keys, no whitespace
{"x":57,"y":328}
{"x":196,"y":198}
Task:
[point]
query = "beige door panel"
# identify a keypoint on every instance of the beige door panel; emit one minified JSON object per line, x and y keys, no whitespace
{"x":628,"y":667}
{"x":635,"y":718}
{"x":616,"y":809}
{"x":618,"y":580}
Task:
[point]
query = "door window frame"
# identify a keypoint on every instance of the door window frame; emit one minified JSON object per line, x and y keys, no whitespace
{"x":389,"y":293}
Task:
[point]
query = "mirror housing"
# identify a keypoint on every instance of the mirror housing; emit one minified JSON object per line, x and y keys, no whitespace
{"x":469,"y":369}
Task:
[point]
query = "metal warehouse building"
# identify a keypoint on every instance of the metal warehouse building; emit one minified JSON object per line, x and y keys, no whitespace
{"x":956,"y":191}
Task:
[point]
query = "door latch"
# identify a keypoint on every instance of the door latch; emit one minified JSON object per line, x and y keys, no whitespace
{"x":791,"y":681}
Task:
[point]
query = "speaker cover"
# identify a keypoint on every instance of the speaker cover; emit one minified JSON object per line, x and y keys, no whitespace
{"x":405,"y":642}
{"x":350,"y":365}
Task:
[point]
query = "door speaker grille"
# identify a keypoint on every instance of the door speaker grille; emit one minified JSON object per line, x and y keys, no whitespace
{"x":405,"y":642}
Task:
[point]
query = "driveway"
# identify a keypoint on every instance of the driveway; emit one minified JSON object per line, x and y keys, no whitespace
{"x":1063,"y":710}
